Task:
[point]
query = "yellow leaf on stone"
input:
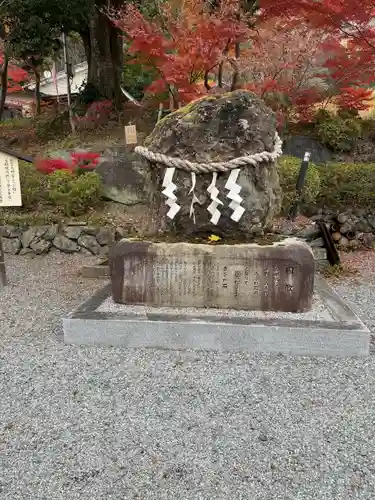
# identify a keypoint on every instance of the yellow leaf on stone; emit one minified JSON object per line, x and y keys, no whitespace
{"x":213,"y":238}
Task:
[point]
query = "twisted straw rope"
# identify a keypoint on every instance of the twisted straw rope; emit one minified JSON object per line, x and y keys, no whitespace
{"x":203,"y":168}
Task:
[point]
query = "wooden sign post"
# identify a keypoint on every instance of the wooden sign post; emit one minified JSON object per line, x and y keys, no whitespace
{"x":10,"y":196}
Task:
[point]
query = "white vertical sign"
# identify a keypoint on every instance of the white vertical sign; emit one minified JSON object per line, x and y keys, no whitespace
{"x":10,"y":187}
{"x":130,"y":134}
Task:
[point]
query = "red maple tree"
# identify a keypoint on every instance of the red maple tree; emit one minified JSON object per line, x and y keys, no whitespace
{"x":183,"y":45}
{"x":16,"y":76}
{"x":301,"y":55}
{"x":349,"y":44}
{"x":295,"y":67}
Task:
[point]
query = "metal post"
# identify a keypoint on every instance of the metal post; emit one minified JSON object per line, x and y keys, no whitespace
{"x":3,"y":273}
{"x":69,"y":96}
{"x":300,"y":184}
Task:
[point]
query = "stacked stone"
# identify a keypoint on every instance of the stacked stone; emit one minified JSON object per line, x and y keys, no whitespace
{"x":68,"y":239}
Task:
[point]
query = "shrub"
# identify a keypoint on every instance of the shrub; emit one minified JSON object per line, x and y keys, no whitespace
{"x":71,"y":194}
{"x":32,"y":185}
{"x":17,"y":131}
{"x":347,"y":185}
{"x":337,"y":133}
{"x":97,"y":114}
{"x":47,"y":127}
{"x":368,"y":129}
{"x":289,"y":170}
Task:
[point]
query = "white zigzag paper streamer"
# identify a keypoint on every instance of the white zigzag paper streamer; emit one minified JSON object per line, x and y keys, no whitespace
{"x":194,"y":199}
{"x":212,"y":208}
{"x":169,"y":193}
{"x":234,"y":190}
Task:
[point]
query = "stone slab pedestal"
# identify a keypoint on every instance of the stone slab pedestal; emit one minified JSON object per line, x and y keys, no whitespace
{"x":329,"y":329}
{"x":278,"y":277}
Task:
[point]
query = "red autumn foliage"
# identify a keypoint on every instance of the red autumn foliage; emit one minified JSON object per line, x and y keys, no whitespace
{"x":295,"y":68}
{"x":78,"y":160}
{"x":356,"y":99}
{"x":85,"y":159}
{"x":351,"y":44}
{"x":303,"y":54}
{"x":182,"y":45}
{"x":17,"y":76}
{"x":283,"y":65}
{"x":50,"y":165}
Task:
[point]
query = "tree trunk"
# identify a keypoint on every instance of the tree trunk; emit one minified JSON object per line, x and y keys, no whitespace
{"x":37,"y":91}
{"x":236,"y":71}
{"x":103,"y":47}
{"x":4,"y":84}
{"x":206,"y":78}
{"x":221,"y":67}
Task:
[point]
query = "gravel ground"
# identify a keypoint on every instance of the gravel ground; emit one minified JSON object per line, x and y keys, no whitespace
{"x":105,"y":423}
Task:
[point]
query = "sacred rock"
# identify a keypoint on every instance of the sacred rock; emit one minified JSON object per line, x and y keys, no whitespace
{"x":217,"y":128}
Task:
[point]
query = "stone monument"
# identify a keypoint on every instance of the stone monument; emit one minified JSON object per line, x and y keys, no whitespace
{"x":250,"y":277}
{"x":213,"y":170}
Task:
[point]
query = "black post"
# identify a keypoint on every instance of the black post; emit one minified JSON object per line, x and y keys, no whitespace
{"x":3,"y":274}
{"x":300,"y":184}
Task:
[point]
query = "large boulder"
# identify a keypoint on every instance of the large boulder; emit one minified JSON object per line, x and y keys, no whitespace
{"x":125,"y":176}
{"x":218,"y":128}
{"x":298,"y":145}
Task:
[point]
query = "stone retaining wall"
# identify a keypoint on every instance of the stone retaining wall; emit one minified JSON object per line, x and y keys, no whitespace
{"x":96,"y":240}
{"x":66,"y":238}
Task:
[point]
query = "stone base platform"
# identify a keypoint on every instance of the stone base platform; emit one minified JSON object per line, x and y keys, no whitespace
{"x":329,"y":329}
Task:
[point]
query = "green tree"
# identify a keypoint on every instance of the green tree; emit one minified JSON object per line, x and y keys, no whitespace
{"x":35,"y":27}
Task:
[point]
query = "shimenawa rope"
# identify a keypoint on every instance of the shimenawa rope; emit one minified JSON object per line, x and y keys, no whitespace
{"x":203,"y":168}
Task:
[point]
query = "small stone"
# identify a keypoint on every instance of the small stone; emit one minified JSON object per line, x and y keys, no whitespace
{"x":345,"y":228}
{"x":105,"y":236}
{"x":65,"y":244}
{"x":25,"y":251}
{"x":309,"y":232}
{"x":51,"y":233}
{"x":28,"y":236}
{"x":11,"y":245}
{"x":4,"y":232}
{"x":319,"y":242}
{"x":287,"y":228}
{"x":342,"y":218}
{"x":367,"y":240}
{"x":41,"y":246}
{"x":72,"y":232}
{"x":263,"y":437}
{"x":13,"y":231}
{"x":343,"y":242}
{"x":320,"y":253}
{"x":41,"y":231}
{"x":362,"y":226}
{"x":90,"y":230}
{"x":317,"y":217}
{"x":90,"y":243}
{"x":360,"y":212}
